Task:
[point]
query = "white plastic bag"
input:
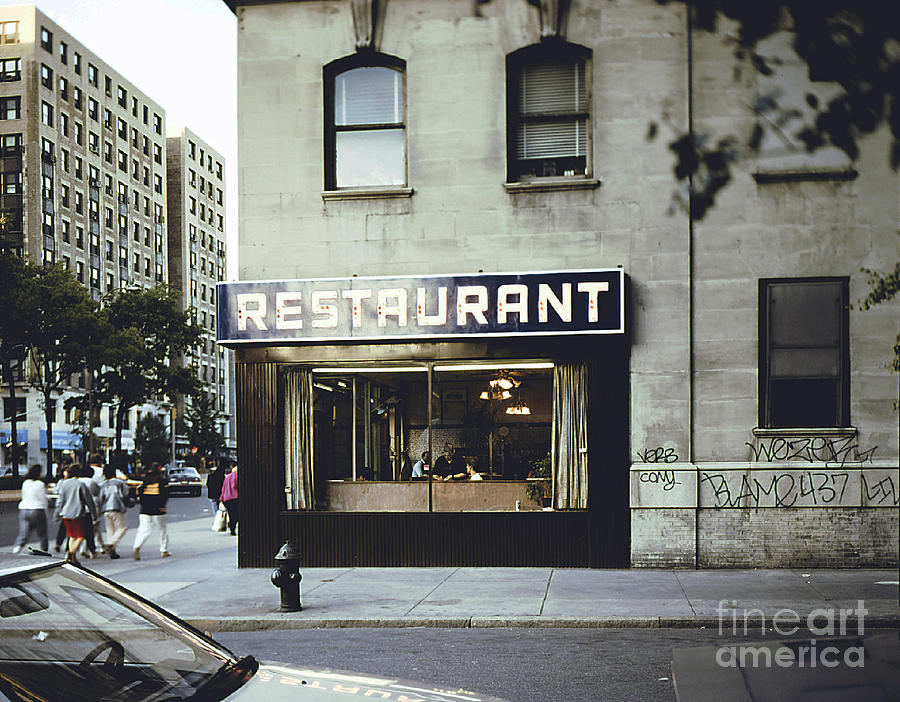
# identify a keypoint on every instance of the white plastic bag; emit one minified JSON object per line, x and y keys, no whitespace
{"x":221,"y":519}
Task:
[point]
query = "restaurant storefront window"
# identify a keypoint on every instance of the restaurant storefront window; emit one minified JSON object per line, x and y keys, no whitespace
{"x":359,"y":438}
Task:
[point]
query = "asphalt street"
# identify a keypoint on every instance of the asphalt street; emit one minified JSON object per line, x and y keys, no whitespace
{"x":527,"y":665}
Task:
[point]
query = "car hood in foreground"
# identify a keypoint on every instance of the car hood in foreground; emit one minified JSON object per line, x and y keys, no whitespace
{"x":284,"y":683}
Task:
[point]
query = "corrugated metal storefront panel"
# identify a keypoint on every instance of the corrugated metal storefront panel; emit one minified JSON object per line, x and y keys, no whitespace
{"x":330,"y":539}
{"x":260,"y":457}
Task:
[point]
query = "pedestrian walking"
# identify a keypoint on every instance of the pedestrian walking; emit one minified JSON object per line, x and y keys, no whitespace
{"x":32,"y":510}
{"x":153,"y":494}
{"x":214,"y":483}
{"x":230,"y":497}
{"x":75,"y":507}
{"x":113,"y":507}
{"x":94,"y":534}
{"x":63,"y":473}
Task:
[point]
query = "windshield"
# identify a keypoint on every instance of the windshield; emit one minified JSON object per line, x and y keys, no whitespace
{"x":68,"y":636}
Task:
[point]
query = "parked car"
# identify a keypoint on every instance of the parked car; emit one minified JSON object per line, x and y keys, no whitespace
{"x":69,"y":634}
{"x":184,"y":479}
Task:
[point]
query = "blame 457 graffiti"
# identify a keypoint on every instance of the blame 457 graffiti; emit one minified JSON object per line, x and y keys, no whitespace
{"x":799,"y":488}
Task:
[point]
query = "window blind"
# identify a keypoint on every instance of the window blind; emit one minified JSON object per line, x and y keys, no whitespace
{"x":552,"y":87}
{"x":369,"y":95}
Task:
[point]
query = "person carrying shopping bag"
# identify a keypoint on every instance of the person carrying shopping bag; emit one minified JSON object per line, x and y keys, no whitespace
{"x":230,"y":498}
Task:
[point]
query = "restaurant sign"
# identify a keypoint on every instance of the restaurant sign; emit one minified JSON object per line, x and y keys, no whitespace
{"x":417,"y":307}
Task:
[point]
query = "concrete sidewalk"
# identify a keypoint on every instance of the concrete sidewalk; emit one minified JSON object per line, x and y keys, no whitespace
{"x":202,"y":584}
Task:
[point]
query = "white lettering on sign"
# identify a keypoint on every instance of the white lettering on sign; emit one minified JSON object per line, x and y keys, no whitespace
{"x":398,"y":309}
{"x":255,"y":313}
{"x":547,"y":299}
{"x":284,"y":310}
{"x":477,"y":308}
{"x":504,"y":306}
{"x":425,"y":319}
{"x":322,"y":308}
{"x":593,"y":290}
{"x":357,"y":296}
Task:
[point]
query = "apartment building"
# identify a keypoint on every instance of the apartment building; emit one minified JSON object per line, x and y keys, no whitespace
{"x":455,"y":229}
{"x":83,"y":155}
{"x":195,"y":174}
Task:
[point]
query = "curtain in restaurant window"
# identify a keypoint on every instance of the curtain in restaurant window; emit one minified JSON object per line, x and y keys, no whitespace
{"x":569,"y":442}
{"x":298,"y":436}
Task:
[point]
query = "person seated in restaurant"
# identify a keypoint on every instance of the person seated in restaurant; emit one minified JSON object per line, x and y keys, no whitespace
{"x":472,"y":469}
{"x":449,"y":466}
{"x":422,"y":466}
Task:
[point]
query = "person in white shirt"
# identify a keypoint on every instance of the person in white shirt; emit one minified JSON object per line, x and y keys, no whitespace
{"x":32,"y":510}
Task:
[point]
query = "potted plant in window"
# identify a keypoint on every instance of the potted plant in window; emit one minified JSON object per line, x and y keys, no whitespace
{"x":539,"y":487}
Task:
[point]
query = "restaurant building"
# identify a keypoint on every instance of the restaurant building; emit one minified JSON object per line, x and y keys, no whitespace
{"x":456,"y":229}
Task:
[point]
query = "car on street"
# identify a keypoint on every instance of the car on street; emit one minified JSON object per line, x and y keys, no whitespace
{"x":184,"y":479}
{"x":68,"y":634}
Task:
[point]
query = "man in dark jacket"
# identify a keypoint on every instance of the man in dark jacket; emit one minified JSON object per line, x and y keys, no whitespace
{"x":153,"y":495}
{"x":214,"y":483}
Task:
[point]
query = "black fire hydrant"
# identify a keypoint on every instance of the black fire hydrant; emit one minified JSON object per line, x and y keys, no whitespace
{"x":287,"y":577}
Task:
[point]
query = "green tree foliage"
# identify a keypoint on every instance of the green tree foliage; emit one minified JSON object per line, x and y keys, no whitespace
{"x":152,"y":439}
{"x":61,"y":324}
{"x":13,"y":271}
{"x":202,"y":424}
{"x":150,"y":332}
{"x":882,"y":289}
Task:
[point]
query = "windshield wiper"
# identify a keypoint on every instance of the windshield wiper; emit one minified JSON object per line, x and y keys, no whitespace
{"x":226,"y":680}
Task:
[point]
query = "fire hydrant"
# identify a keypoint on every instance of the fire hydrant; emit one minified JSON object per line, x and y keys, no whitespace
{"x":287,"y":577}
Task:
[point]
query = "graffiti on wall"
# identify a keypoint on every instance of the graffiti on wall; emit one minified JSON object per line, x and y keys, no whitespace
{"x":660,"y":454}
{"x":666,"y":479}
{"x":833,"y":452}
{"x":776,"y":489}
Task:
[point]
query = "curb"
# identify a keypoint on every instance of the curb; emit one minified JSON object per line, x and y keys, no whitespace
{"x":277,"y":621}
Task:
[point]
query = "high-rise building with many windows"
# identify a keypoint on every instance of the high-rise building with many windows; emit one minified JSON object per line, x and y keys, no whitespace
{"x":83,"y":182}
{"x":196,"y":231}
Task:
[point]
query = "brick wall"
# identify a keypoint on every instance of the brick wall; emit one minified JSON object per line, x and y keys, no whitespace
{"x":809,"y":537}
{"x":662,"y":538}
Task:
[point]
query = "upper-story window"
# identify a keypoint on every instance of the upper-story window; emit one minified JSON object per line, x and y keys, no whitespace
{"x":157,"y":123}
{"x":9,"y":32}
{"x":365,"y":128}
{"x":92,"y":74}
{"x":63,"y":52}
{"x":10,"y":69}
{"x":76,"y":62}
{"x":11,"y":107}
{"x":804,"y":374}
{"x":122,"y":96}
{"x":46,"y":39}
{"x":548,"y":112}
{"x":46,"y":76}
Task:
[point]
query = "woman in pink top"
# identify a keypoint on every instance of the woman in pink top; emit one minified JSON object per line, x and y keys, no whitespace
{"x":229,"y":497}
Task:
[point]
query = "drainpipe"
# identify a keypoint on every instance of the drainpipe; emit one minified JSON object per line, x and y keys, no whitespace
{"x":689,"y":7}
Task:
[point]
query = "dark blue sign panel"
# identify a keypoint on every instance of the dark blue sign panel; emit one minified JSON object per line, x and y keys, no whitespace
{"x":417,"y":307}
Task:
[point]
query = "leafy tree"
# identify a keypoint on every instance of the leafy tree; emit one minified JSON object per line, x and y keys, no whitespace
{"x":150,"y":332}
{"x":202,"y":421}
{"x":61,"y":323}
{"x":152,"y":439}
{"x":13,"y":271}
